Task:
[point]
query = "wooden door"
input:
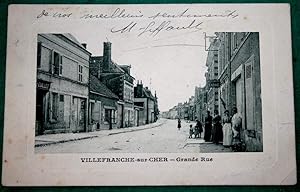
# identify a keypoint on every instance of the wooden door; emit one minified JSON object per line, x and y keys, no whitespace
{"x":249,"y":96}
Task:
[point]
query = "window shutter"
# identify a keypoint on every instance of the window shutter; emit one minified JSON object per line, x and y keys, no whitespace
{"x":39,"y":52}
{"x":248,"y":71}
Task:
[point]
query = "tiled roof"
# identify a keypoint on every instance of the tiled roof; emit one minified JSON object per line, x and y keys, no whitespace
{"x":148,"y":93}
{"x":98,"y":60}
{"x":97,"y":86}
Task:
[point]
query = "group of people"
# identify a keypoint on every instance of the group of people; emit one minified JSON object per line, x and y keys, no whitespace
{"x":197,"y":130}
{"x":226,"y":129}
{"x":218,"y":129}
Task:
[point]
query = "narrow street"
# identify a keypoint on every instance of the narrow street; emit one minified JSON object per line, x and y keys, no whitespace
{"x":163,"y":139}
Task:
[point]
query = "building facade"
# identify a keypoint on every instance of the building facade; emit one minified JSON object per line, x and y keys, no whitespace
{"x":246,"y":86}
{"x":240,"y":82}
{"x":144,"y":98}
{"x":200,"y":103}
{"x":118,"y":79}
{"x":212,"y":77}
{"x":62,"y":84}
{"x":103,"y":110}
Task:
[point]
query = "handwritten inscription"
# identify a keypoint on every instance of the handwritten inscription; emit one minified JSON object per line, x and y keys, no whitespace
{"x":152,"y":24}
{"x":186,"y":14}
{"x":116,"y":14}
{"x":154,"y":28}
{"x":45,"y":13}
{"x":119,"y":13}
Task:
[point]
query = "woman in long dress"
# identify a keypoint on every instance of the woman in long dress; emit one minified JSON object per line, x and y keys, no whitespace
{"x":179,"y":124}
{"x":227,"y":131}
{"x":208,"y":124}
{"x":236,"y":126}
{"x":217,"y":128}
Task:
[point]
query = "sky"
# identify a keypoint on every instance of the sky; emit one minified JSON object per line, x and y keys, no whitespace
{"x":170,"y":63}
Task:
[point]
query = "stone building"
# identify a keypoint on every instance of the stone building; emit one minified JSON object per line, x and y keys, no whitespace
{"x":103,"y":108}
{"x":118,"y":79}
{"x":62,"y":84}
{"x":240,"y":82}
{"x":245,"y":88}
{"x":200,"y":103}
{"x":171,"y":113}
{"x":191,"y":108}
{"x":212,"y":77}
{"x":144,"y":98}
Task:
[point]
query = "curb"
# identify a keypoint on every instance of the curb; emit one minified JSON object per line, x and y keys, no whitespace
{"x":94,"y":136}
{"x":133,"y":130}
{"x":64,"y":141}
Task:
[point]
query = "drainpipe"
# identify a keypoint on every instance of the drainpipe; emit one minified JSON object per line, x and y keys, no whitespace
{"x":147,"y":119}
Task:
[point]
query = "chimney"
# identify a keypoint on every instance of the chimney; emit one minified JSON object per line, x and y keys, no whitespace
{"x":139,"y":91}
{"x":84,"y":45}
{"x":106,"y":56}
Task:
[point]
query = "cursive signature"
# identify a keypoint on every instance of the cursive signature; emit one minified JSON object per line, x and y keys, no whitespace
{"x":153,"y":28}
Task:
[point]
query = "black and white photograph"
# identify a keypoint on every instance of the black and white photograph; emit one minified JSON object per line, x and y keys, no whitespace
{"x":149,"y":95}
{"x":162,"y":100}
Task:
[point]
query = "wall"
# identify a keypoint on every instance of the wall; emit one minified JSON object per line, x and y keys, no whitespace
{"x":65,"y":85}
{"x":249,"y":51}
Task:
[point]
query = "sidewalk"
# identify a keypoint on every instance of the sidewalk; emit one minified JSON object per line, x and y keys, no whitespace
{"x":49,"y":139}
{"x":209,"y":147}
{"x":206,"y":147}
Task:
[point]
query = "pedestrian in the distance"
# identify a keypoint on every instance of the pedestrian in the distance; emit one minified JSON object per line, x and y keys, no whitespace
{"x":217,"y":128}
{"x":208,"y":124}
{"x":179,"y":124}
{"x":227,"y":131}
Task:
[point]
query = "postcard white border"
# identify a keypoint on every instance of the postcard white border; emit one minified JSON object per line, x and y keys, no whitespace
{"x":276,"y":165}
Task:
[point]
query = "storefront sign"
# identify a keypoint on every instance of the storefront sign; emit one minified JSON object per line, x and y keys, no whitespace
{"x":43,"y":85}
{"x":213,"y":83}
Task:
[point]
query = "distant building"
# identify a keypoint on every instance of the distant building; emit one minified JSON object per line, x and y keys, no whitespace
{"x":144,"y":98}
{"x":191,"y":108}
{"x":62,"y":84}
{"x":171,"y":113}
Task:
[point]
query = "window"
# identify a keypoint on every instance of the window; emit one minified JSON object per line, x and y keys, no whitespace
{"x":80,"y":69}
{"x":60,"y":66}
{"x":110,"y":115}
{"x":57,"y":64}
{"x":61,"y":98}
{"x":54,"y":106}
{"x":113,"y":116}
{"x":233,"y":42}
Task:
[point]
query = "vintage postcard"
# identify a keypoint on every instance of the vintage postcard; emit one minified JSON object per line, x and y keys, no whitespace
{"x":169,"y":94}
